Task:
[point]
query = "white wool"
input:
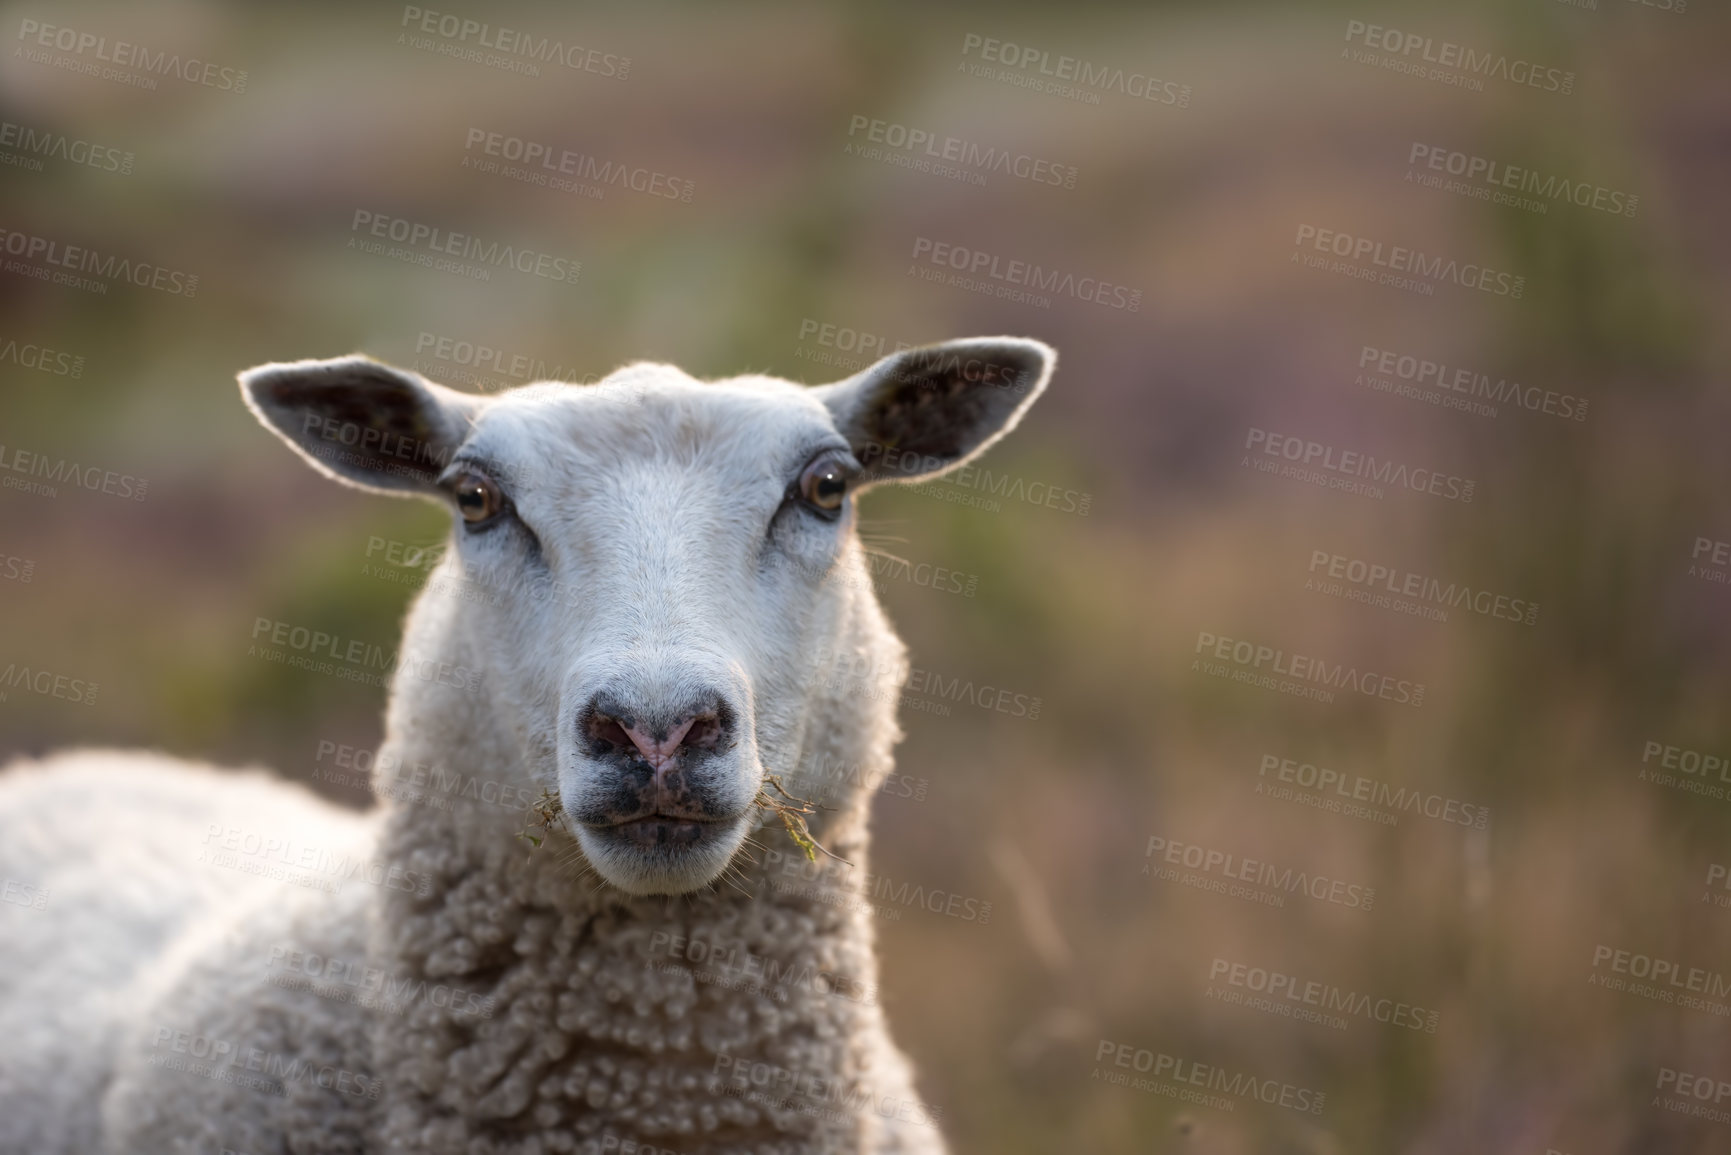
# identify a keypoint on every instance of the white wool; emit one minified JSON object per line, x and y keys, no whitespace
{"x":204,"y":961}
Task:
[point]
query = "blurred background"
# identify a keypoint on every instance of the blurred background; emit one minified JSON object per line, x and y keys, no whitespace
{"x":791,"y":189}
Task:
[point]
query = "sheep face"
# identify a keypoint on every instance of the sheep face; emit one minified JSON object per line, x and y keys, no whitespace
{"x":670,"y":562}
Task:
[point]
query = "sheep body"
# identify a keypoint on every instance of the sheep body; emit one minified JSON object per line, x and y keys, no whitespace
{"x":117,"y":848}
{"x":224,"y":963}
{"x":504,"y":1004}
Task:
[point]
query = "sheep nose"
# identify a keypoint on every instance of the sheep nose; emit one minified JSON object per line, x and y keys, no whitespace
{"x":657,"y":736}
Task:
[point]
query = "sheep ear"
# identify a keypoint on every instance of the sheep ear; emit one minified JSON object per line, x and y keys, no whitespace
{"x":361,"y":422}
{"x":922,"y":412}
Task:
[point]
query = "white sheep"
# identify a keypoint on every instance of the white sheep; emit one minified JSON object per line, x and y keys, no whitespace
{"x":654,"y":608}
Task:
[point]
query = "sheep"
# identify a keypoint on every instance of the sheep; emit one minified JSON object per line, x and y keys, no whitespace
{"x":599,"y":919}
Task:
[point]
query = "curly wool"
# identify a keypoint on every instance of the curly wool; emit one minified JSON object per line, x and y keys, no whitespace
{"x":459,"y":992}
{"x":301,"y":980}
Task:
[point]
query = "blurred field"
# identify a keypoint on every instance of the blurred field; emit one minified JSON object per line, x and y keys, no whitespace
{"x":1099,"y":614}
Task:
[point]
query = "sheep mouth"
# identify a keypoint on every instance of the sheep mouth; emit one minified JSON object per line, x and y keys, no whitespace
{"x":661,"y":853}
{"x":659,"y":831}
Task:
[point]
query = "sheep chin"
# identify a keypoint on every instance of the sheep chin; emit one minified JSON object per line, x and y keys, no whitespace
{"x":690,"y":860}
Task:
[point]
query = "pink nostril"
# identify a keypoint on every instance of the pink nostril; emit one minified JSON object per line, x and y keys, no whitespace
{"x":705,"y":732}
{"x":658,"y":754}
{"x":609,"y":731}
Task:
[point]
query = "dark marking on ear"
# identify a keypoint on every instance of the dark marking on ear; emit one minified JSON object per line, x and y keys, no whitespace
{"x":363,"y":422}
{"x":925,"y":411}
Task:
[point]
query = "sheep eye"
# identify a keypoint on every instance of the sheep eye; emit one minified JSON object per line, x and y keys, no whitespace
{"x":823,"y":485}
{"x":478,"y":498}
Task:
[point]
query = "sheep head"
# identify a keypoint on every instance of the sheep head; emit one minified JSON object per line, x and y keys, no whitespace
{"x":677,"y":559}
